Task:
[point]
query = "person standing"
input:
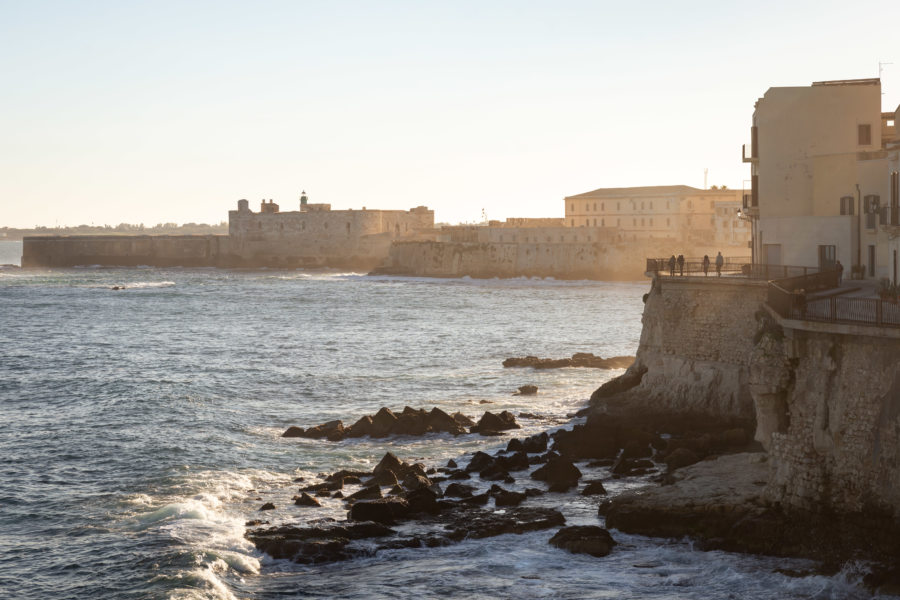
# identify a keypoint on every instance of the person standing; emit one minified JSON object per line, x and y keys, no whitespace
{"x":705,"y":265}
{"x":672,"y":266}
{"x":840,"y":270}
{"x":720,"y":260}
{"x":681,"y":264}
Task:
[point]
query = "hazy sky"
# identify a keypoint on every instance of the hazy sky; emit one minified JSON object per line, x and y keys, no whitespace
{"x":171,"y":111}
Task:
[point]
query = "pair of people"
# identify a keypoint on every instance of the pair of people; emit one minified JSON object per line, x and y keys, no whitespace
{"x":679,"y":261}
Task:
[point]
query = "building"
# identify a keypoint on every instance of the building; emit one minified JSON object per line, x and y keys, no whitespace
{"x":317,"y":234}
{"x":680,"y":213}
{"x":824,"y":188}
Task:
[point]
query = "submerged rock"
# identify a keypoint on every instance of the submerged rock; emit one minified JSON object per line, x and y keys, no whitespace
{"x":584,"y":539}
{"x":491,"y":423}
{"x":293,"y":431}
{"x":526,"y":390}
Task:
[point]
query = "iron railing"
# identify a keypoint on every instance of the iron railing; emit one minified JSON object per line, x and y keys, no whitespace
{"x":694,"y":266}
{"x":789,"y":298}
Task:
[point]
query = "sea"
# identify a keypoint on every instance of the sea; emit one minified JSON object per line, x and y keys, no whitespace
{"x":140,"y":430}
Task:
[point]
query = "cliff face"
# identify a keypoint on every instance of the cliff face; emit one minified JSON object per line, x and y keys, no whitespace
{"x":825,"y":397}
{"x":695,"y":346}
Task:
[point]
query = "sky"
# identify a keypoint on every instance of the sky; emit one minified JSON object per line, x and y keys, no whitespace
{"x":152,"y":112}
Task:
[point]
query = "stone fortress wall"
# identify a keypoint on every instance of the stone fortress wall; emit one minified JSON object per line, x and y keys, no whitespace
{"x":826,"y":397}
{"x":314,"y":236}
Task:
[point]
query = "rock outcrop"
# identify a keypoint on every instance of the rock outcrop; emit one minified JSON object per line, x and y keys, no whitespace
{"x":579,"y":359}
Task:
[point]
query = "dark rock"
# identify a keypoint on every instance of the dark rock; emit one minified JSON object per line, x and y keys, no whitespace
{"x":558,"y":471}
{"x":293,"y":432}
{"x":338,"y":495}
{"x":594,"y":488}
{"x":631,"y":467}
{"x":533,"y":492}
{"x":630,"y":379}
{"x":584,"y":539}
{"x":681,"y":457}
{"x":382,"y":510}
{"x":459,"y":475}
{"x":325,"y":430}
{"x":515,"y":445}
{"x":603,"y":462}
{"x":267,"y":506}
{"x":484,"y":524}
{"x":536,"y":443}
{"x":634,"y":449}
{"x":526,"y":390}
{"x":508,"y":498}
{"x":451,"y":464}
{"x":462,"y":419}
{"x":255,"y":523}
{"x":528,"y":415}
{"x":491,"y":423}
{"x":314,"y":545}
{"x":579,"y":359}
{"x":323,"y":494}
{"x":561,"y":487}
{"x":416,"y":482}
{"x":361,"y":428}
{"x":515,"y":462}
{"x":439,"y":420}
{"x":328,"y":486}
{"x":346,"y":476}
{"x":423,"y":500}
{"x":367,"y":493}
{"x":480,"y":461}
{"x":305,"y":499}
{"x":389,"y":462}
{"x":383,"y":423}
{"x":385,"y":477}
{"x":396,"y":490}
{"x":459,"y":490}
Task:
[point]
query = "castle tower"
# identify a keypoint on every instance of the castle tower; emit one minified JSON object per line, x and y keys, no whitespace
{"x":303,"y":201}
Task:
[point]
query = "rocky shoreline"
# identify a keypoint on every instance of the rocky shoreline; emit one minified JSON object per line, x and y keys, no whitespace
{"x":579,"y":359}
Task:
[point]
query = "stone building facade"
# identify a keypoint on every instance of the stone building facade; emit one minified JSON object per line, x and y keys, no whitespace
{"x":824,"y":164}
{"x":680,"y":213}
{"x":317,"y":235}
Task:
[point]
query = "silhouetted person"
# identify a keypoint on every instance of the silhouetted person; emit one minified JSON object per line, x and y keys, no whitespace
{"x":719,"y":262}
{"x":705,"y":265}
{"x":840,"y":270}
{"x":801,"y":302}
{"x":681,"y":264}
{"x":672,"y":266}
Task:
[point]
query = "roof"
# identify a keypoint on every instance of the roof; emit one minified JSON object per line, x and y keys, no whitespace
{"x":653,"y":190}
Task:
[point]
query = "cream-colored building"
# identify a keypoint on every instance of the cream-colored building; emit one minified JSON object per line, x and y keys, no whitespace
{"x":680,"y":213}
{"x":824,"y":169}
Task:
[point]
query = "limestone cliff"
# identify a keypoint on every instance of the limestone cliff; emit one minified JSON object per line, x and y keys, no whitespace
{"x":695,"y":349}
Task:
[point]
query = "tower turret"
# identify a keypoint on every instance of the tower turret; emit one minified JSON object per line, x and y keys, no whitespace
{"x":303,"y":201}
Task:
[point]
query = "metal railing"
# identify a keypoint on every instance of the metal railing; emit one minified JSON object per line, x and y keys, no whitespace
{"x":790,"y":298}
{"x":694,"y":266}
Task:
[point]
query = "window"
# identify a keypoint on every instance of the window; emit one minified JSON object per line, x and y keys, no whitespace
{"x":573,"y":207}
{"x":871,"y":261}
{"x":587,"y":207}
{"x":651,"y":221}
{"x":634,"y":222}
{"x":603,"y":206}
{"x":642,"y":205}
{"x":602,"y":222}
{"x":618,"y":206}
{"x":348,"y":228}
{"x":595,"y":222}
{"x":847,"y":205}
{"x":864,"y":132}
{"x":573,"y":222}
{"x":826,"y":257}
{"x":651,"y":205}
{"x":668,"y":222}
{"x":642,"y":222}
{"x":303,"y":225}
{"x":587,"y":222}
{"x":595,"y":207}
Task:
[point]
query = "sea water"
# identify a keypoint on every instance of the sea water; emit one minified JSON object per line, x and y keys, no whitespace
{"x":140,"y":430}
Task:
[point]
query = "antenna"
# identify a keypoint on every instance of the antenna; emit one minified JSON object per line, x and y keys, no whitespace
{"x":881,"y":66}
{"x":705,"y":174}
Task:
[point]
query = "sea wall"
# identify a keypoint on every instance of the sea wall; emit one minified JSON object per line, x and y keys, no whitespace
{"x":829,"y":399}
{"x":125,"y":250}
{"x":825,"y":397}
{"x":366,"y":252}
{"x":584,"y":260}
{"x":695,"y":348}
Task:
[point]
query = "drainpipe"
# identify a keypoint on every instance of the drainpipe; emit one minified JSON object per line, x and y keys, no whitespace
{"x":858,"y":226}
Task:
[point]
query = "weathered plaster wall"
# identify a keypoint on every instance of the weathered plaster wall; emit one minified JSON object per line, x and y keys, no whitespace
{"x":696,"y":345}
{"x":832,"y":396}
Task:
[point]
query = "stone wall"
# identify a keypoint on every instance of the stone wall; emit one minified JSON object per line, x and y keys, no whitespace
{"x":695,"y":346}
{"x":829,"y":401}
{"x":825,"y":397}
{"x":125,"y":250}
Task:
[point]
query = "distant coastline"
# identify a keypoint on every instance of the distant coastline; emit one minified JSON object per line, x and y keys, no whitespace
{"x":14,"y":234}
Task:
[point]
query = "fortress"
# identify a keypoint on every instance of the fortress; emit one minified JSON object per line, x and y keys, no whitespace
{"x":312,"y":236}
